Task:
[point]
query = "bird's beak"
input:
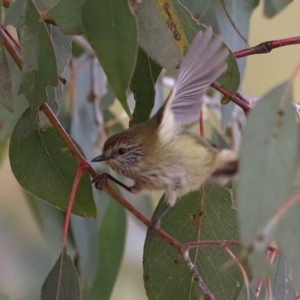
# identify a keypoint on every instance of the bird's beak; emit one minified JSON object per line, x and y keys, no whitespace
{"x":101,"y":157}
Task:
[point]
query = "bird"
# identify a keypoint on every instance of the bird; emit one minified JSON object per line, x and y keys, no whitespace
{"x":161,"y":153}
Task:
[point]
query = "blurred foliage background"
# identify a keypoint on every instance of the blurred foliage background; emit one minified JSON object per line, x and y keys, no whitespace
{"x":25,"y":257}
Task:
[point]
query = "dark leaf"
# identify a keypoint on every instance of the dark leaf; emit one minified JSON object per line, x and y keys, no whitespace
{"x":143,"y":87}
{"x":166,"y":275}
{"x":6,"y":99}
{"x":43,"y":165}
{"x":114,"y":41}
{"x":36,"y":49}
{"x":111,"y":245}
{"x":62,"y":282}
{"x":67,"y":15}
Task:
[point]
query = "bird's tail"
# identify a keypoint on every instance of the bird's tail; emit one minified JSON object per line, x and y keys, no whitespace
{"x":226,"y":167}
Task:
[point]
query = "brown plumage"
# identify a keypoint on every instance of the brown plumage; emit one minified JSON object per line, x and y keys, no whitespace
{"x":160,"y":153}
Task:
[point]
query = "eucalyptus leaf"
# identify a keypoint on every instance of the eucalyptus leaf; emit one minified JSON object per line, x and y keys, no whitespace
{"x":268,"y":160}
{"x":6,"y":99}
{"x":67,"y":15}
{"x":166,"y":275}
{"x":62,"y":282}
{"x":143,"y":87}
{"x":43,"y":165}
{"x":273,"y":7}
{"x":114,"y":41}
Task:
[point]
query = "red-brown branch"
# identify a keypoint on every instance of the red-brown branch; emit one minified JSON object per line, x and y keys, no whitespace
{"x":267,"y":47}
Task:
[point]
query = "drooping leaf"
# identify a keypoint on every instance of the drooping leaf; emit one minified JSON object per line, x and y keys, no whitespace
{"x":111,"y":245}
{"x":62,"y":282}
{"x":62,"y":45}
{"x":273,"y":7}
{"x":166,"y":275}
{"x":269,"y":156}
{"x":154,"y":37}
{"x":282,"y":284}
{"x":67,"y":15}
{"x":38,"y":57}
{"x":62,"y":48}
{"x":6,"y":99}
{"x":43,"y":165}
{"x":9,"y":119}
{"x":143,"y":87}
{"x":114,"y":41}
{"x":288,"y":237}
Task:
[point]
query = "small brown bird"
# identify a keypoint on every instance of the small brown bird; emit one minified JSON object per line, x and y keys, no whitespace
{"x":160,"y":154}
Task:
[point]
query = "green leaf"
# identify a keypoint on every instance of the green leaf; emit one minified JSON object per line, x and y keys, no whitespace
{"x":289,"y":241}
{"x":143,"y":87}
{"x":114,"y":40}
{"x":166,"y":275}
{"x":43,"y":165}
{"x":62,"y":282}
{"x":154,"y":37}
{"x":63,"y":50}
{"x":38,"y":57}
{"x":6,"y":99}
{"x":67,"y":16}
{"x":282,"y":284}
{"x":111,"y":246}
{"x":269,"y":156}
{"x":62,"y":45}
{"x":273,"y":7}
{"x":9,"y":119}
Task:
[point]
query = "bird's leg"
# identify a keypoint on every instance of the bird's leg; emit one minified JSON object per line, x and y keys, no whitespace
{"x":171,"y":196}
{"x":157,"y":222}
{"x":100,"y":178}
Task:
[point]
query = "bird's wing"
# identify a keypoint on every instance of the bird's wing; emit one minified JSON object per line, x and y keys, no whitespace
{"x":204,"y":63}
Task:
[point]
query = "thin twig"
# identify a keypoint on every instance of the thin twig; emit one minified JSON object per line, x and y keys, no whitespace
{"x":196,"y":276}
{"x":233,"y":98}
{"x":267,"y":47}
{"x":217,"y":243}
{"x":80,"y":170}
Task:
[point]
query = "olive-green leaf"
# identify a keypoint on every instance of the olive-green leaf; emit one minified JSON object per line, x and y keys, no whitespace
{"x":67,"y":15}
{"x":166,"y":275}
{"x":38,"y":57}
{"x":269,"y":157}
{"x":6,"y":99}
{"x":111,"y":246}
{"x":62,"y":282}
{"x":44,"y":166}
{"x":110,"y":27}
{"x":143,"y":87}
{"x":273,"y":7}
{"x":154,"y":37}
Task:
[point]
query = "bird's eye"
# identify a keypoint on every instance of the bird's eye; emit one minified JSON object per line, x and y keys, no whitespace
{"x":121,"y":151}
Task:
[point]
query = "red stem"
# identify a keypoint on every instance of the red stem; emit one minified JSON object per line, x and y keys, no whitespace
{"x":80,"y":170}
{"x":267,"y":47}
{"x":233,"y":98}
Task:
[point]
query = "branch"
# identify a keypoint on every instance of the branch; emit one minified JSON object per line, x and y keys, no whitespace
{"x":46,"y":109}
{"x":240,"y":101}
{"x":267,"y":47}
